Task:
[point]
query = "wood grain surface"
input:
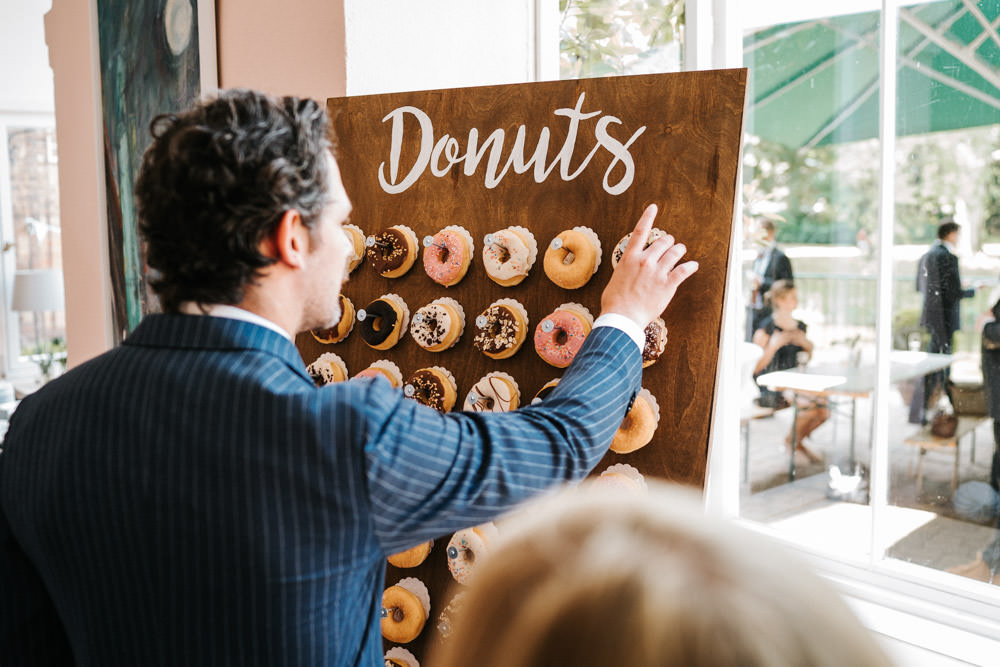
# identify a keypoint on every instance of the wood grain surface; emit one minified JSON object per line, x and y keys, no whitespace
{"x":685,"y":160}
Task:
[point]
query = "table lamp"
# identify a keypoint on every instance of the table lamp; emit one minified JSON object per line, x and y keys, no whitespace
{"x":37,"y":291}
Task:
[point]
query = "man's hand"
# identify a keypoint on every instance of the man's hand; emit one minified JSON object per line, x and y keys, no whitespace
{"x":645,"y":280}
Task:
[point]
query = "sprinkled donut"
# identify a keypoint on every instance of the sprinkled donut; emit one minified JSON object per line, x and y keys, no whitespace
{"x":434,"y":387}
{"x":495,"y":392}
{"x":438,"y":325}
{"x":509,"y":254}
{"x":405,"y":608}
{"x":327,"y":369}
{"x":656,"y":341}
{"x":453,"y":609}
{"x":342,"y":328}
{"x":501,"y":329}
{"x":619,"y":250}
{"x":573,"y":257}
{"x":466,"y":548}
{"x":383,"y":321}
{"x":447,"y":255}
{"x":560,"y":335}
{"x":392,"y":251}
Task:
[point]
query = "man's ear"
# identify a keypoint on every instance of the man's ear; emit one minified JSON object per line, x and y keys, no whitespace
{"x":289,"y":243}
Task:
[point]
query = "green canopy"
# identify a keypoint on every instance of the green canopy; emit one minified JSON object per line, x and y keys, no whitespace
{"x":817,"y":82}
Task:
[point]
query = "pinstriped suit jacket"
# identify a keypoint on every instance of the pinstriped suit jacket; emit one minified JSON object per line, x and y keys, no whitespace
{"x":190,"y":498}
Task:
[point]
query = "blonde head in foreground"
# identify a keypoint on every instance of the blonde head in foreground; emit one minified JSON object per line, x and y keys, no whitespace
{"x":600,"y":577}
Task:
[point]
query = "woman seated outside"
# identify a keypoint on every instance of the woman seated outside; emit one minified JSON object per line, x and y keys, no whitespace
{"x":604,"y":577}
{"x":785,"y":345}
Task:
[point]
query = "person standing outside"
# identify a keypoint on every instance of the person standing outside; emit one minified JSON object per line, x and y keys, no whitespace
{"x":192,"y":498}
{"x":770,"y":265}
{"x":939,"y":281}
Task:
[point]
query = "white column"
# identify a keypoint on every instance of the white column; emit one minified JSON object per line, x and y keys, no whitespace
{"x":71,"y":35}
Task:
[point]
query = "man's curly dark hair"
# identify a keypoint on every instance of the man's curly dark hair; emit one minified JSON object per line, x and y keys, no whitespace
{"x":216,"y":181}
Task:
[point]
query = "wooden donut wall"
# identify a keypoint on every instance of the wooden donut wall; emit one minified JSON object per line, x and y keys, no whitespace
{"x":685,"y":160}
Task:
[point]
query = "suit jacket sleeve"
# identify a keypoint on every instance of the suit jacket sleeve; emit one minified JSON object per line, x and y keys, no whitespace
{"x":431,"y":474}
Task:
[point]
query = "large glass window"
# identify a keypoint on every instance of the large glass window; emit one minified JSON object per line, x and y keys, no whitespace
{"x":823,"y":241}
{"x":812,"y":174}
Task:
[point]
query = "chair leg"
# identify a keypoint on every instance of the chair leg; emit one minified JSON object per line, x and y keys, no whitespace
{"x":954,"y":470}
{"x":920,"y":470}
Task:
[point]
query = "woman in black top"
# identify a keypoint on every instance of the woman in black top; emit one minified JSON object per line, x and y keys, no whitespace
{"x":785,"y":345}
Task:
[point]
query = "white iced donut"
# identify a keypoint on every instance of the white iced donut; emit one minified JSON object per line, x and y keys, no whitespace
{"x":466,"y":548}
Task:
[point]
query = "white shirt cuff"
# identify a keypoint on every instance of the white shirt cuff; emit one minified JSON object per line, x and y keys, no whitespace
{"x":624,"y":324}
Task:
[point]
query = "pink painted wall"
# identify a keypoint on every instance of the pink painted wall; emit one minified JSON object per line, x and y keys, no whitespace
{"x":295,"y":47}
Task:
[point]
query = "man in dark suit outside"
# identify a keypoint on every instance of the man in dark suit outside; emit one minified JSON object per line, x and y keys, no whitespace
{"x":938,"y":279}
{"x":770,"y":266}
{"x":192,"y":498}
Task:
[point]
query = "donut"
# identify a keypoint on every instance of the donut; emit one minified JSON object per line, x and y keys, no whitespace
{"x":398,"y":656}
{"x":357,"y":239}
{"x":656,"y":341}
{"x":438,"y":325}
{"x":453,"y":609}
{"x":501,"y":329}
{"x":639,"y":424}
{"x":447,"y":255}
{"x":495,"y":392}
{"x":434,"y":387}
{"x":544,"y":392}
{"x":509,"y":254}
{"x":342,"y":328}
{"x":383,"y":368}
{"x":621,"y":476}
{"x":392,"y":251}
{"x":560,"y":335}
{"x":405,"y":608}
{"x":383,"y":321}
{"x":413,"y":556}
{"x":573,"y":257}
{"x":619,"y":250}
{"x":326,"y":369}
{"x":466,"y":547}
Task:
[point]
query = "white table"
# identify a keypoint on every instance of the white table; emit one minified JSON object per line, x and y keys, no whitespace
{"x":853,"y":382}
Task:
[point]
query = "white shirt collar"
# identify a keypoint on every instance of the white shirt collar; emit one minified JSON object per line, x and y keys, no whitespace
{"x":232,"y":313}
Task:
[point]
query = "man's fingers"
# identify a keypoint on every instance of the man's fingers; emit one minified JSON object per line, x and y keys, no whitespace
{"x":682,"y":272}
{"x":641,"y":232}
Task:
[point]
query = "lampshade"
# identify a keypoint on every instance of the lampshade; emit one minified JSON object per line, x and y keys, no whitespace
{"x":38,"y":290}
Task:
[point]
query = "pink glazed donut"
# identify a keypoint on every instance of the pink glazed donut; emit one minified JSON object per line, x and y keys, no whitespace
{"x":559,"y":336}
{"x":447,"y":255}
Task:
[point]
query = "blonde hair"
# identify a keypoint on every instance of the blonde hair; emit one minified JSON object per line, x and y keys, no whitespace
{"x":779,"y":289}
{"x":604,"y":578}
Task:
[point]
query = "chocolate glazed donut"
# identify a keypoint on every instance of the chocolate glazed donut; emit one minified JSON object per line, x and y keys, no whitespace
{"x":380,"y":320}
{"x":428,"y":389}
{"x":388,"y":252}
{"x":499,"y":331}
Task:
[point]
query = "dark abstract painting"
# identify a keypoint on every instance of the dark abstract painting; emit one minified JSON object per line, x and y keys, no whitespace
{"x":150,"y":63}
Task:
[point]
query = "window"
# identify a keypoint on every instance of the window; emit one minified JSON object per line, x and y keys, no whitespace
{"x":30,"y":233}
{"x":870,"y":488}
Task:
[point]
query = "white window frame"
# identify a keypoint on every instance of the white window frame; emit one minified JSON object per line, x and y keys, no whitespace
{"x":14,"y":368}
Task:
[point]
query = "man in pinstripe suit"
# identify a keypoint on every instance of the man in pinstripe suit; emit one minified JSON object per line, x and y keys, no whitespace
{"x":191,"y":498}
